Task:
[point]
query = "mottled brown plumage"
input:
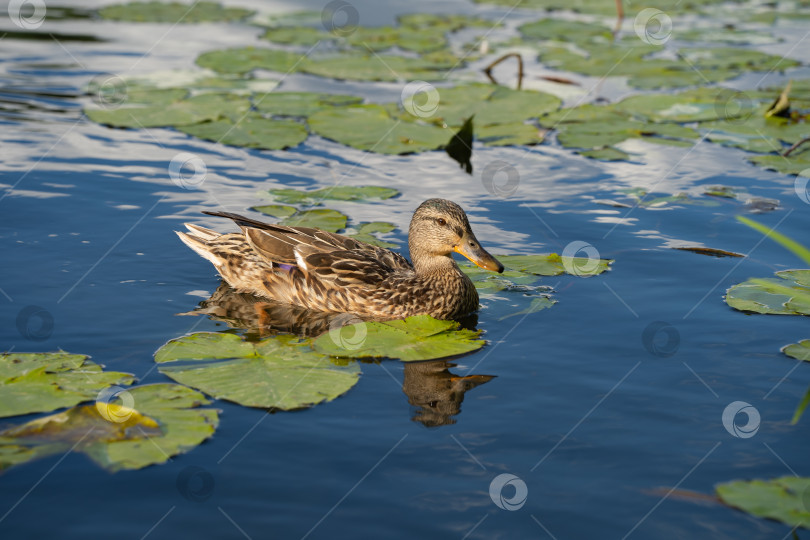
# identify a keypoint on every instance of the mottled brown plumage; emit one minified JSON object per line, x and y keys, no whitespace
{"x":329,"y":272}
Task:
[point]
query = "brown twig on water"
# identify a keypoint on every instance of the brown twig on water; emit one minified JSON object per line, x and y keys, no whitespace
{"x":795,"y":146}
{"x":619,"y":19}
{"x":488,"y":69}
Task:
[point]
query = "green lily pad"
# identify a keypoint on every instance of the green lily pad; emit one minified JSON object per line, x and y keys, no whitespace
{"x":173,"y":12}
{"x":297,"y":35}
{"x":325,"y":219}
{"x":337,"y":193}
{"x":280,"y":211}
{"x":251,"y":131}
{"x":365,"y":233}
{"x":555,"y":265}
{"x":371,"y":128}
{"x":565,"y":30}
{"x":799,"y":351}
{"x":788,"y":295}
{"x":165,"y":420}
{"x":513,"y":134}
{"x":246,"y":59}
{"x":608,"y":153}
{"x":794,"y":164}
{"x":206,"y":107}
{"x":416,"y":338}
{"x":783,"y":499}
{"x":698,"y":105}
{"x":41,"y":382}
{"x":281,"y":372}
{"x":377,"y":67}
{"x":300,"y":103}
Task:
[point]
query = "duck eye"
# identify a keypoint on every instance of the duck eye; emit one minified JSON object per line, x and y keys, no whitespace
{"x":441,"y":222}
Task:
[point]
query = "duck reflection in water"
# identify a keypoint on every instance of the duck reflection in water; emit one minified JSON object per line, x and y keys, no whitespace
{"x":434,"y":390}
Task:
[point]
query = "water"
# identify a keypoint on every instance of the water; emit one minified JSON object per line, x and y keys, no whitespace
{"x":598,"y":428}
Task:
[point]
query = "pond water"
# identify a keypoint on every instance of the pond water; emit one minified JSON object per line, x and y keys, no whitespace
{"x":599,"y":426}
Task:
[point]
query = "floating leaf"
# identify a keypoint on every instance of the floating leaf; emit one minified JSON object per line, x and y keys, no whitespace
{"x":251,"y":131}
{"x":608,"y":153}
{"x":554,"y":265}
{"x":699,"y":105}
{"x":512,"y":134}
{"x":365,"y":67}
{"x":276,"y":210}
{"x":799,"y":351}
{"x":794,"y":164}
{"x":336,"y":193}
{"x":297,"y":35}
{"x":165,"y":420}
{"x":365,"y":233}
{"x":325,"y":219}
{"x":41,"y":382}
{"x":416,"y":338}
{"x":281,"y":372}
{"x":537,"y":304}
{"x":783,"y":499}
{"x":173,"y":12}
{"x":246,"y":59}
{"x":371,"y":127}
{"x":300,"y":103}
{"x":789,"y":295}
{"x":185,"y":112}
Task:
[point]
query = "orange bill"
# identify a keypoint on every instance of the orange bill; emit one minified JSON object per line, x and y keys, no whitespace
{"x":471,"y":248}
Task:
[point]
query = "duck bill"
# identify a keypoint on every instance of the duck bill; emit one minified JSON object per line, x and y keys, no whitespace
{"x":478,"y":255}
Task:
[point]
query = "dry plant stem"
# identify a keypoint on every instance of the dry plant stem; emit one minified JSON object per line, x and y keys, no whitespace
{"x":619,"y":18}
{"x":488,"y":69}
{"x":795,"y":146}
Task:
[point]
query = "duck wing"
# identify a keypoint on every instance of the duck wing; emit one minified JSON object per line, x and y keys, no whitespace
{"x":331,"y":257}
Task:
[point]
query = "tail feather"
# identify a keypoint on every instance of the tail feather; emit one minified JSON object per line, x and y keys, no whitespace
{"x":199,"y":245}
{"x":201,"y":232}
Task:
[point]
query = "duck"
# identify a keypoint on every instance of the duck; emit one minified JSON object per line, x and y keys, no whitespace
{"x":328,"y":272}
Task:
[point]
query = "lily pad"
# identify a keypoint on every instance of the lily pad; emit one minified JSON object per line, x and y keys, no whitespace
{"x":173,"y":12}
{"x":371,"y":128}
{"x":206,"y":107}
{"x":788,"y":295}
{"x":300,"y":103}
{"x":783,"y":499}
{"x":365,"y":233}
{"x":41,"y":382}
{"x":698,"y":105}
{"x":608,"y":153}
{"x":281,"y":372}
{"x":537,"y":304}
{"x":377,"y":67}
{"x":251,"y":131}
{"x":416,"y":338}
{"x":325,"y":219}
{"x":280,"y":211}
{"x":799,"y":351}
{"x":794,"y":164}
{"x":337,"y":193}
{"x":246,"y":59}
{"x":165,"y":420}
{"x":555,"y":265}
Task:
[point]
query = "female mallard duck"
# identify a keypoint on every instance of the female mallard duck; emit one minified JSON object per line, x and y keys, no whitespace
{"x":324,"y":271}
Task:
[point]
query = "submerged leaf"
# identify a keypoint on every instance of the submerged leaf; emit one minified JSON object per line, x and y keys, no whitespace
{"x":165,"y":420}
{"x":416,"y":338}
{"x":41,"y":382}
{"x":281,"y":372}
